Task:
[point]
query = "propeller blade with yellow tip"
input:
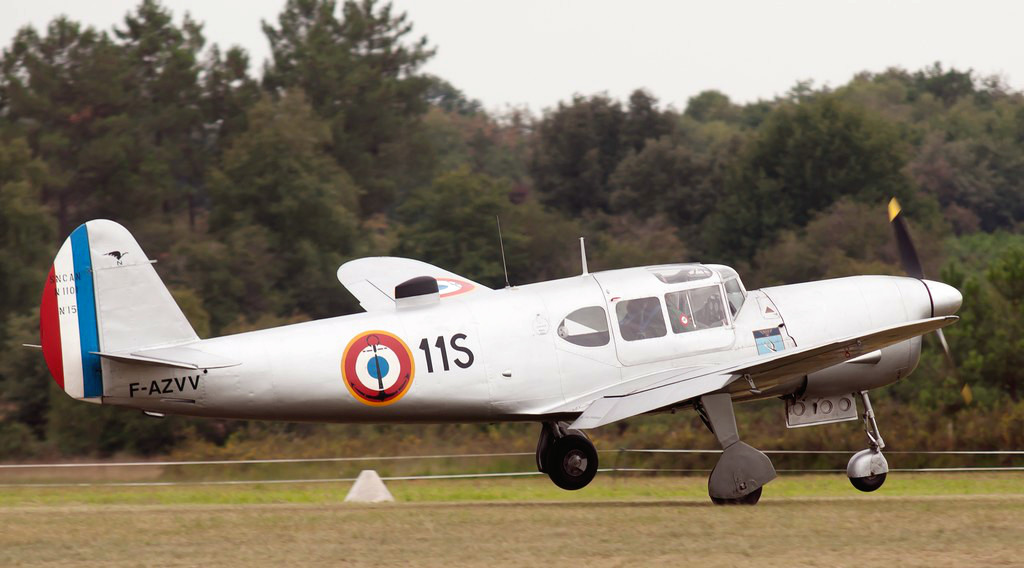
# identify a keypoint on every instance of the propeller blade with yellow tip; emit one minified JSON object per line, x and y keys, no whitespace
{"x":908,"y":254}
{"x":912,"y":266}
{"x":967,"y":394}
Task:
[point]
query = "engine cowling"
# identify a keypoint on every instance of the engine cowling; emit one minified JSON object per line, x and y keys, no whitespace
{"x":816,"y":312}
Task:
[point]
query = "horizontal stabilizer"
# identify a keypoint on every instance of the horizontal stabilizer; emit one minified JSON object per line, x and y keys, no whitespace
{"x":372,"y":280}
{"x":179,"y":357}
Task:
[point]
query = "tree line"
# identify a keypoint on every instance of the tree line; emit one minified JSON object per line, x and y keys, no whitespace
{"x":250,"y":187}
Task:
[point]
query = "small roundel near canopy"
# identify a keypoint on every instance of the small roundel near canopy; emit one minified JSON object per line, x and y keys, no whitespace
{"x":453,"y":287}
{"x":377,"y":368}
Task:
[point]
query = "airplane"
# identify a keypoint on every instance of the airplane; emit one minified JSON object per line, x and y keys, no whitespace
{"x":571,"y":354}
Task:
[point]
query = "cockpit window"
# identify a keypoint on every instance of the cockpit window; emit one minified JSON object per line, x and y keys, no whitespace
{"x":681,"y":274}
{"x":692,"y":310}
{"x":587,"y":327}
{"x":640,"y":319}
{"x":734,"y":292}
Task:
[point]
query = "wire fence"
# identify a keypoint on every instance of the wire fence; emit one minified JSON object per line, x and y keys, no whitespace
{"x":482,"y":455}
{"x":617,"y":469}
{"x":262,"y":461}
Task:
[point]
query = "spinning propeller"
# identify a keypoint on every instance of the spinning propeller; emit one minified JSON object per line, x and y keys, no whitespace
{"x":912,"y":266}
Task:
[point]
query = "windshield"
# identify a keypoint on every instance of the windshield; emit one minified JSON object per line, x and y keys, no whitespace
{"x":734,"y":292}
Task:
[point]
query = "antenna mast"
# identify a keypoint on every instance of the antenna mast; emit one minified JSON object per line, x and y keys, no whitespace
{"x":583,"y":255}
{"x":501,"y":243}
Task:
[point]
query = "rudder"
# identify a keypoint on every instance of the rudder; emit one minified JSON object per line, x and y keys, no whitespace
{"x":103,"y":295}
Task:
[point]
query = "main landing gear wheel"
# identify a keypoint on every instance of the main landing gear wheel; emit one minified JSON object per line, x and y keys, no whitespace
{"x":748,"y":499}
{"x":741,"y":470}
{"x":869,"y":483}
{"x":571,"y":462}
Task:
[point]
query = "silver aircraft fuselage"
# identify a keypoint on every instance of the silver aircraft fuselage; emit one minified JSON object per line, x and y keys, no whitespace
{"x":504,"y":356}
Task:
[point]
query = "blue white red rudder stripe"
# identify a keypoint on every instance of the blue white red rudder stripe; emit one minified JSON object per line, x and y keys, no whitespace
{"x":67,"y":316}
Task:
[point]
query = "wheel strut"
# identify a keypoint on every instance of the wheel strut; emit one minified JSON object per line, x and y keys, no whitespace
{"x":868,"y":468}
{"x":742,"y":470}
{"x":870,"y":426}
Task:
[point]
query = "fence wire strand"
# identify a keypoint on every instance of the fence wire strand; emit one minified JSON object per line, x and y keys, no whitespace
{"x":473,"y":475}
{"x":482,"y":455}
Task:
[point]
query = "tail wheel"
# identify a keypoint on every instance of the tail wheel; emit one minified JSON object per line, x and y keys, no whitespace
{"x":571,"y":462}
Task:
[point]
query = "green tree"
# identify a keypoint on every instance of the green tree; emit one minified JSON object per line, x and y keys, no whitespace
{"x":945,"y":85}
{"x":805,"y":157}
{"x":452,"y":224}
{"x":237,"y":272}
{"x":644,"y":121}
{"x":847,"y":238}
{"x":623,"y":241}
{"x":665,"y":179}
{"x":711,"y":105}
{"x":496,"y":146}
{"x":165,"y":104}
{"x":977,"y":173}
{"x":27,"y":238}
{"x":24,"y":379}
{"x":66,"y":92}
{"x":26,"y":228}
{"x":578,"y":146}
{"x":361,"y":72}
{"x":75,"y":428}
{"x":449,"y":98}
{"x":228,"y":92}
{"x":279,"y":177}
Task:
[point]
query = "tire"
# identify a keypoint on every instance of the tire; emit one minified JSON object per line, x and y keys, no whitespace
{"x":869,"y":483}
{"x":749,"y":499}
{"x":571,"y":462}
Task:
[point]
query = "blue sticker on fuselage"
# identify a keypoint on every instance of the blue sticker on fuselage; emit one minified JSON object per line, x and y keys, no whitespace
{"x":768,"y":341}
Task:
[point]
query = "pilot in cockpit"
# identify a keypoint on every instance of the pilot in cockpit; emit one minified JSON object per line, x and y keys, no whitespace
{"x":639,"y":318}
{"x":711,"y":313}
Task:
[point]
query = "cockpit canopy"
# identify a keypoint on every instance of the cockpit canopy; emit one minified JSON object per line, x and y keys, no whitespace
{"x":681,"y":273}
{"x":735,"y":293}
{"x":693,"y":297}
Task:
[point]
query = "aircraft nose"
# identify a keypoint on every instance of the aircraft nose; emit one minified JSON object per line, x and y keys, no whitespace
{"x":946,"y":299}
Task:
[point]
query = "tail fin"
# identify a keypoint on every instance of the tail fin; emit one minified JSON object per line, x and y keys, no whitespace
{"x":103,"y":295}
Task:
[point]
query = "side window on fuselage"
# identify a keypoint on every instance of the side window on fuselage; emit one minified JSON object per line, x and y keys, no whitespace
{"x":586,"y":327}
{"x":640,"y":319}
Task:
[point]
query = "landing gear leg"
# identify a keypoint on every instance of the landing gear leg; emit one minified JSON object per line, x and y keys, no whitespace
{"x":867,"y":468}
{"x":567,"y":456}
{"x":742,"y":471}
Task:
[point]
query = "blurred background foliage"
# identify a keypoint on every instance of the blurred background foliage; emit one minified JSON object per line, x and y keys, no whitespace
{"x":251,"y":187}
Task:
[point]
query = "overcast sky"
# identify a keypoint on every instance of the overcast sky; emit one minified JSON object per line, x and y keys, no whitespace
{"x":536,"y":52}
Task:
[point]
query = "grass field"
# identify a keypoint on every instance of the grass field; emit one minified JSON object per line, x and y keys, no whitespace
{"x":811,"y":520}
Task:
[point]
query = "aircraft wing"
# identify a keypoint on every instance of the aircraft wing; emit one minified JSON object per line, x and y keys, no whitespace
{"x":660,"y":391}
{"x":372,"y":280}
